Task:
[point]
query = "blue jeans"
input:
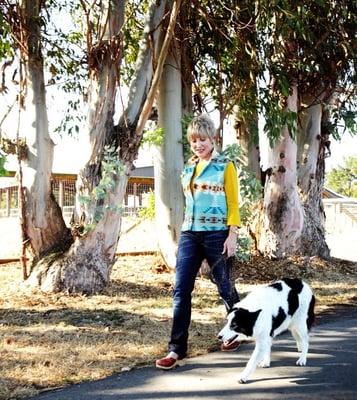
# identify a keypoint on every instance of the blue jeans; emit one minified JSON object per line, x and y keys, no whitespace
{"x":193,"y":248}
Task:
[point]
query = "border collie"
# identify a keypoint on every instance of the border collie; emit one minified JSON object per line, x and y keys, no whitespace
{"x":268,"y":311}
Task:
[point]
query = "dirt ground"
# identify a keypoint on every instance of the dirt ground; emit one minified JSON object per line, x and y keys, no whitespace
{"x":53,"y":340}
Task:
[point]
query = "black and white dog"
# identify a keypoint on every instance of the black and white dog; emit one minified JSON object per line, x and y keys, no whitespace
{"x":266,"y":312}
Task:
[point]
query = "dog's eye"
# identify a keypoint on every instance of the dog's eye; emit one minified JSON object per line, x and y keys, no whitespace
{"x":234,"y":325}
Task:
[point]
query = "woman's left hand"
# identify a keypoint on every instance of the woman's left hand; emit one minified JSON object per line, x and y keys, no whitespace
{"x":230,"y":245}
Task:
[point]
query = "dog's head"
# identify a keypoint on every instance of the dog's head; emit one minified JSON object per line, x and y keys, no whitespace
{"x":240,"y":323}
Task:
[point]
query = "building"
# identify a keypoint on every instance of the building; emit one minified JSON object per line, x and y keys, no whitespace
{"x":140,"y":184}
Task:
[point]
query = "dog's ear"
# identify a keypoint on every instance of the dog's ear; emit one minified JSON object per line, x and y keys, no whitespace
{"x":244,"y":321}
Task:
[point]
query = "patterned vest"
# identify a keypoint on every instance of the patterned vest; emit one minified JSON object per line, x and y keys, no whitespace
{"x":206,"y":207}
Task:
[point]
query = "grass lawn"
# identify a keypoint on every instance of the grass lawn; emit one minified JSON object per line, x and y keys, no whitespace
{"x":52,"y":340}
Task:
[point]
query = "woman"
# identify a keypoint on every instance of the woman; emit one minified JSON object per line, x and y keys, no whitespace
{"x":209,"y":231}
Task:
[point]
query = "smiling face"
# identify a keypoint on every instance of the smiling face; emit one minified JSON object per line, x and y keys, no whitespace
{"x":202,"y":147}
{"x":201,"y":135}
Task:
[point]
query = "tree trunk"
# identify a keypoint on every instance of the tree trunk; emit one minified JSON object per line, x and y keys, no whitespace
{"x":311,"y":172}
{"x":282,"y":221}
{"x":42,"y":220}
{"x":186,"y":69}
{"x":168,"y":161}
{"x":249,"y":147}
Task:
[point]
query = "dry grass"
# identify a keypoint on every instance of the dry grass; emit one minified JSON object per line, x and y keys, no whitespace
{"x":55,"y":340}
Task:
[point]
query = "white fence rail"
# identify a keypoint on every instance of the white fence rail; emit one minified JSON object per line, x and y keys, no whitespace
{"x":341,"y":215}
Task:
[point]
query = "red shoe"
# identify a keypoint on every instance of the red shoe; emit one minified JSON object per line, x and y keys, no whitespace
{"x":230,"y":346}
{"x":168,"y":362}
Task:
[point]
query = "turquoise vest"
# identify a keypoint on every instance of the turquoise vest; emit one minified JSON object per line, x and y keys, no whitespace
{"x":206,"y":208}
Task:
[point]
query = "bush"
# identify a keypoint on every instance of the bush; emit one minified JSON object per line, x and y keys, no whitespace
{"x":148,"y":212}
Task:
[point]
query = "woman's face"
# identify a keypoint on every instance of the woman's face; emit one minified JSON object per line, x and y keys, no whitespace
{"x":202,"y":147}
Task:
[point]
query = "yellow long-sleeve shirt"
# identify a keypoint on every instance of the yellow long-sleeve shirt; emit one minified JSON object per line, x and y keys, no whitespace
{"x":231,"y":188}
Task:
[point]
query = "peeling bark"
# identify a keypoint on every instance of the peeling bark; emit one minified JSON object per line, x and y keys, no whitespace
{"x":82,"y":269}
{"x":282,"y":220}
{"x":311,"y":172}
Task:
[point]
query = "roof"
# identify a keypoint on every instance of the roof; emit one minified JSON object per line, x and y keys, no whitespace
{"x":330,"y":194}
{"x":143,"y":172}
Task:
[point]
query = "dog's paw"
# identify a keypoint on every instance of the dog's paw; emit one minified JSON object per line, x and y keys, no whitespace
{"x":264,"y":364}
{"x":242,"y":378}
{"x":301,"y":361}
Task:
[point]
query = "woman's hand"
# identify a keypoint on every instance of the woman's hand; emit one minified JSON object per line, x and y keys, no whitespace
{"x":230,"y":244}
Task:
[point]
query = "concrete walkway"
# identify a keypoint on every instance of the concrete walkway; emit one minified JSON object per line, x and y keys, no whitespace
{"x":331,"y":373}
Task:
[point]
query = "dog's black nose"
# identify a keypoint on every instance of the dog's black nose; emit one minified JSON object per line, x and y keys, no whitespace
{"x":219,"y":337}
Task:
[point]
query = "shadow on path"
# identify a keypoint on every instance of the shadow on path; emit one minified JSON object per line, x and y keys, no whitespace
{"x":330,"y":373}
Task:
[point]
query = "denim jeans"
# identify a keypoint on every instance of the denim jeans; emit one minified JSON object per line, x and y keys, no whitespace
{"x":193,"y":248}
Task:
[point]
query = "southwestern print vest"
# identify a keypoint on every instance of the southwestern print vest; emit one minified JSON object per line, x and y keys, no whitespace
{"x":206,"y":205}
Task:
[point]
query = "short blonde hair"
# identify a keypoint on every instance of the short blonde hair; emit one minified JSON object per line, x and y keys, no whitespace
{"x":201,"y":126}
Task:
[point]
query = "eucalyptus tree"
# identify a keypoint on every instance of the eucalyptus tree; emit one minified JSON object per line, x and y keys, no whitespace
{"x":307,"y":48}
{"x":164,"y":132}
{"x":82,"y":262}
{"x":168,"y":158}
{"x":327,"y":92}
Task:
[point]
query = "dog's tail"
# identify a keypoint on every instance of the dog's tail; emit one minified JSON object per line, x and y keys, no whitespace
{"x":311,"y":313}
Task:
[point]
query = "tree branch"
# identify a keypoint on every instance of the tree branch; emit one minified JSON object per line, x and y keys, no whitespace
{"x":160,"y":65}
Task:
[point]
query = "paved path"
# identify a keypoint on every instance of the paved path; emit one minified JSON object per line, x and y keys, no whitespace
{"x":331,"y":373}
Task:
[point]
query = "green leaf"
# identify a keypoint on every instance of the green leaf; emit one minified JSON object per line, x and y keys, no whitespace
{"x":3,"y":171}
{"x":343,"y":179}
